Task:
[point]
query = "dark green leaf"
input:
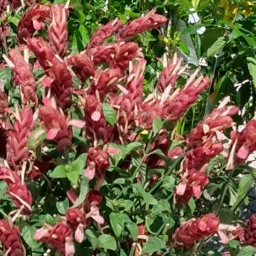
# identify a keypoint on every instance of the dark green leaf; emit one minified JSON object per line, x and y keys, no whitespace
{"x":216,"y":47}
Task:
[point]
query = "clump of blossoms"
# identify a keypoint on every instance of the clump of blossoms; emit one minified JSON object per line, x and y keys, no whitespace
{"x":89,"y":162}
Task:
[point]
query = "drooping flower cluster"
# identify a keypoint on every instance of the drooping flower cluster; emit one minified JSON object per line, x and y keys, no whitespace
{"x":205,"y":144}
{"x":61,"y":236}
{"x":192,"y":231}
{"x":10,"y":239}
{"x":17,"y":189}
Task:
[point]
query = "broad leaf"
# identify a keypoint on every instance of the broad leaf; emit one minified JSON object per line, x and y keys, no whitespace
{"x":154,"y":244}
{"x":217,"y":47}
{"x":117,"y":221}
{"x":107,"y":242}
{"x":109,"y":113}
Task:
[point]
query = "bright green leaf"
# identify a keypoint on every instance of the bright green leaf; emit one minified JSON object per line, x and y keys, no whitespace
{"x":157,"y":125}
{"x":192,"y":205}
{"x":84,"y":187}
{"x":107,"y":242}
{"x":109,"y":113}
{"x":92,"y":237}
{"x":62,"y":206}
{"x":117,"y":222}
{"x":28,"y":235}
{"x":133,"y":229}
{"x":148,"y":198}
{"x":246,"y":251}
{"x":58,"y":172}
{"x":154,"y":244}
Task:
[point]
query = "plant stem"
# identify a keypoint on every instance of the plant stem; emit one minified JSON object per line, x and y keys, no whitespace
{"x":224,"y":191}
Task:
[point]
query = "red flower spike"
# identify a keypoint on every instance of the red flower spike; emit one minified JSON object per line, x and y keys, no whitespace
{"x":82,"y":66}
{"x":175,"y":107}
{"x":196,"y":158}
{"x":102,"y":54}
{"x":135,"y":80}
{"x":169,"y":74}
{"x":59,"y":236}
{"x":62,"y":84}
{"x":94,"y":196}
{"x":246,"y":142}
{"x":217,"y":121}
{"x":105,"y":81}
{"x":24,"y":76}
{"x":190,"y":185}
{"x":96,"y":125}
{"x":18,"y":191}
{"x":100,"y":160}
{"x":3,"y":102}
{"x":56,"y":124}
{"x":31,"y":21}
{"x":192,"y":231}
{"x":58,"y":33}
{"x":10,"y":239}
{"x":100,"y":35}
{"x":250,"y":230}
{"x":3,"y":5}
{"x":43,"y":52}
{"x":18,"y":136}
{"x":140,"y":25}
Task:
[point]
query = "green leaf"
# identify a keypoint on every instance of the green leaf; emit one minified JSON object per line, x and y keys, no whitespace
{"x":92,"y":238}
{"x":58,"y":172}
{"x":133,"y":229}
{"x":5,"y":77}
{"x":107,"y":242}
{"x":226,"y":215}
{"x":117,"y":222}
{"x":246,"y":251}
{"x":109,"y":113}
{"x":217,"y":46}
{"x":79,"y":164}
{"x":154,"y":244}
{"x":192,"y":205}
{"x":162,"y":206}
{"x":148,"y":198}
{"x":62,"y":206}
{"x":84,"y":35}
{"x":168,"y":183}
{"x":84,"y":187}
{"x":130,"y":147}
{"x":252,"y":69}
{"x":37,"y":136}
{"x":245,"y":184}
{"x":28,"y":235}
{"x":157,"y":125}
{"x":3,"y":188}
